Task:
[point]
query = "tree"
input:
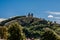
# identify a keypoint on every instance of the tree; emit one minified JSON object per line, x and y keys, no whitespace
{"x":15,"y":32}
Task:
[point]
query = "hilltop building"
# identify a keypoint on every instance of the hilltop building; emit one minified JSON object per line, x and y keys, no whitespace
{"x":30,"y":14}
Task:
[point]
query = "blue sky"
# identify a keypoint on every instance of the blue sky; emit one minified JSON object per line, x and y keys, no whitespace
{"x":48,"y":9}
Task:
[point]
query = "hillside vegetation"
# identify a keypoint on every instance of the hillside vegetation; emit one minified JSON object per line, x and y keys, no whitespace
{"x":24,"y":27}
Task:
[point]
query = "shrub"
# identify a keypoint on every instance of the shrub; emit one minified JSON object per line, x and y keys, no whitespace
{"x":15,"y":32}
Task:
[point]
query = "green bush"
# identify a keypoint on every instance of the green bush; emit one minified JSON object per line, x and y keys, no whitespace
{"x":50,"y":35}
{"x":15,"y":32}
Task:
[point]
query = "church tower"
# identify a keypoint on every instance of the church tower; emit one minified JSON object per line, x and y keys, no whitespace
{"x":30,"y":14}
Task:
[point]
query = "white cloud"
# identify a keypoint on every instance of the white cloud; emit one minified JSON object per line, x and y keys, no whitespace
{"x":58,"y":21}
{"x":55,"y":13}
{"x":2,"y":19}
{"x":57,"y":17}
{"x":50,"y":16}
